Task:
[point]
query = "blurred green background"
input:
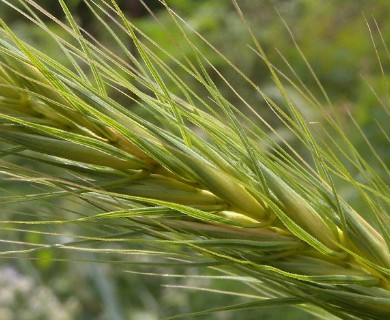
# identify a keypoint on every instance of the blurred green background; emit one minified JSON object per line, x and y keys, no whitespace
{"x":335,"y":39}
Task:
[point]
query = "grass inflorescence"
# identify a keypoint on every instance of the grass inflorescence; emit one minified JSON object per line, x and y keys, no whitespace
{"x":183,"y":170}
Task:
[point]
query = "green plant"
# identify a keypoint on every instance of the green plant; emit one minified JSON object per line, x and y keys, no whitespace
{"x":188,"y":178}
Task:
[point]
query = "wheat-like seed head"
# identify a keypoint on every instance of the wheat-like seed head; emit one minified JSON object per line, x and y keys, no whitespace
{"x":220,"y":194}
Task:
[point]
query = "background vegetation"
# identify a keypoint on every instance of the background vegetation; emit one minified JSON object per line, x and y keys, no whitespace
{"x":334,"y":38}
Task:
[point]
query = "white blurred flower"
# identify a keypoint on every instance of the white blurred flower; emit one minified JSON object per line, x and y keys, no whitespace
{"x":23,"y":299}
